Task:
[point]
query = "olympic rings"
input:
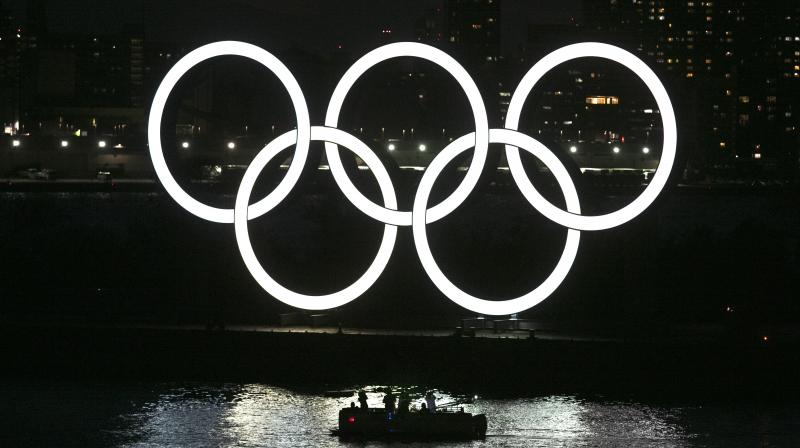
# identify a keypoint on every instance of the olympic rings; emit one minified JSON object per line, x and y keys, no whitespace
{"x":455,"y":294}
{"x":420,"y":215}
{"x":481,"y":130}
{"x":186,"y":63}
{"x":374,"y":271}
{"x":635,"y":208}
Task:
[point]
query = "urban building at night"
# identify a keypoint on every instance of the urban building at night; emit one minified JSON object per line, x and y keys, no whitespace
{"x":736,"y":62}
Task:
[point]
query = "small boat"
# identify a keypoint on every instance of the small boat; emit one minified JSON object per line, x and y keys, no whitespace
{"x":445,"y":424}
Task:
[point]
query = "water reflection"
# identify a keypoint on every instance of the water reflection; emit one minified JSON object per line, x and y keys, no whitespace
{"x":250,"y":415}
{"x":259,"y":415}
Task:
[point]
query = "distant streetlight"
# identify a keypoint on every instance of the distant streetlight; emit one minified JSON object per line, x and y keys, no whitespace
{"x":16,"y":143}
{"x":185,"y":145}
{"x":101,"y":144}
{"x":64,"y":143}
{"x":646,"y":150}
{"x":616,"y":150}
{"x":392,"y":147}
{"x":422,"y":148}
{"x":231,"y":145}
{"x":573,"y":149}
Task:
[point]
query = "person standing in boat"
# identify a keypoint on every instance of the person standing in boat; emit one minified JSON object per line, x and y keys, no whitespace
{"x":362,"y":400}
{"x":430,"y":401}
{"x":403,"y":403}
{"x":389,"y":401}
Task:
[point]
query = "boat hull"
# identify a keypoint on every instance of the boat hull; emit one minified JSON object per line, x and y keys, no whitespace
{"x":377,"y":424}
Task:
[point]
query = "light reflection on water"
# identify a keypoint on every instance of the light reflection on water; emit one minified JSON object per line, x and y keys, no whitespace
{"x":255,"y":415}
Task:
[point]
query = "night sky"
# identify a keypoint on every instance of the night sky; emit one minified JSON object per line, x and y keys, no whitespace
{"x":311,"y":24}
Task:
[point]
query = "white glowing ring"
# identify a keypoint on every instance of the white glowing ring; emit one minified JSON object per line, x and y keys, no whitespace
{"x":186,"y":63}
{"x":419,"y":216}
{"x":481,"y":143}
{"x":638,"y":205}
{"x":418,"y":227}
{"x":241,"y":212}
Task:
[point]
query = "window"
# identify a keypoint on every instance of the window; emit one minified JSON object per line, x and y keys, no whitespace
{"x":744,"y":119}
{"x":602,"y":100}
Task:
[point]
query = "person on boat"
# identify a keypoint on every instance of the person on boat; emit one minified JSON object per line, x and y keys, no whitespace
{"x":362,"y":400}
{"x":430,"y":400}
{"x":389,"y":401}
{"x":403,"y":403}
{"x":423,"y":408}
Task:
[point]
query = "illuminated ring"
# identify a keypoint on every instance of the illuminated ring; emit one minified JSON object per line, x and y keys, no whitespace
{"x":450,"y":290}
{"x":659,"y":180}
{"x":302,"y":140}
{"x":241,"y":212}
{"x":481,"y":139}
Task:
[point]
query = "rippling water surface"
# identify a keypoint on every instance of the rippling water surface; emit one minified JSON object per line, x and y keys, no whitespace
{"x":255,"y":415}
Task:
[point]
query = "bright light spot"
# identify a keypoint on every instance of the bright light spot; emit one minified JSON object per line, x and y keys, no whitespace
{"x":573,"y":149}
{"x":101,"y":144}
{"x":185,"y":145}
{"x":422,"y":147}
{"x":765,"y":338}
{"x":64,"y":143}
{"x":646,"y":150}
{"x":16,"y":143}
{"x":392,"y":147}
{"x":616,"y":150}
{"x":231,"y":145}
{"x":757,"y":155}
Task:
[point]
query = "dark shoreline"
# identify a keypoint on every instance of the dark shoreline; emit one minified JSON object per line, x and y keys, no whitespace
{"x":661,"y":370}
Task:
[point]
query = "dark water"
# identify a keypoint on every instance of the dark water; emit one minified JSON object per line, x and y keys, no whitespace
{"x":250,"y":415}
{"x":138,"y":256}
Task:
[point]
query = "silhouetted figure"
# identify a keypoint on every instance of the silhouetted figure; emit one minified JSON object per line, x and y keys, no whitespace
{"x":352,"y":405}
{"x":389,"y":401}
{"x":362,"y":399}
{"x":430,"y":400}
{"x":403,"y":403}
{"x":423,"y":408}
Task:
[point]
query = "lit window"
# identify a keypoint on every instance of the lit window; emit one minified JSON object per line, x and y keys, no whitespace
{"x":744,"y":119}
{"x":602,"y":100}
